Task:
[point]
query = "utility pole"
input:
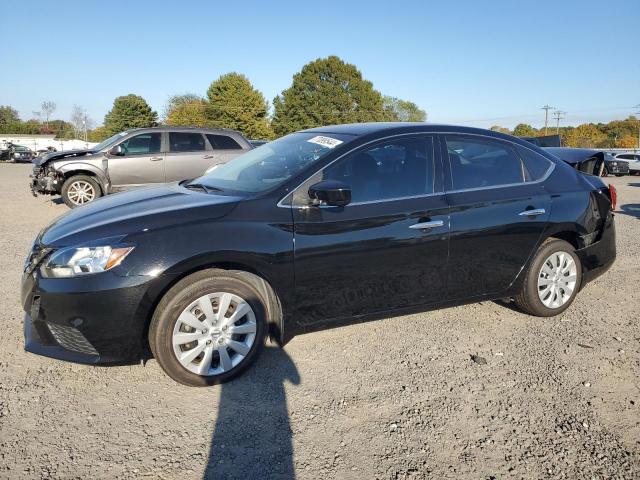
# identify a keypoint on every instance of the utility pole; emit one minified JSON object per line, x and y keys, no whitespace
{"x":546,"y":109}
{"x":558,"y":115}
{"x":638,"y":113}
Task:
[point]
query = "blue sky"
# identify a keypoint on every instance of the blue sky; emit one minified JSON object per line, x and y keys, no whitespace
{"x":467,"y":62}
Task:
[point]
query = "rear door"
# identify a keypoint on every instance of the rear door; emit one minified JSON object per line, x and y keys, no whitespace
{"x":188,"y":156}
{"x":499,"y":209}
{"x":141,"y":162}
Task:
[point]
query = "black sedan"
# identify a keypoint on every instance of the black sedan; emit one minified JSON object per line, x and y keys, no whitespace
{"x":316,"y":229}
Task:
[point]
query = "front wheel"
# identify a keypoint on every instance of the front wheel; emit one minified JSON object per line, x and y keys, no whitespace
{"x":605,"y":172}
{"x":80,"y":189}
{"x":619,"y":174}
{"x":209,"y":327}
{"x":551,"y":281}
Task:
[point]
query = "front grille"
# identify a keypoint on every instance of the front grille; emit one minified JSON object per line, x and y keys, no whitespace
{"x":71,"y":338}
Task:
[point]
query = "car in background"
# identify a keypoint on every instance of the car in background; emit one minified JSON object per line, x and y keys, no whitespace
{"x":323,"y":227}
{"x":16,"y":154}
{"x":633,"y":159}
{"x":599,"y":162}
{"x":134,"y":158}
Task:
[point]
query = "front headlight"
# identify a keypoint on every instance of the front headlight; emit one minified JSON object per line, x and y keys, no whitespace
{"x":75,"y":261}
{"x":615,"y":164}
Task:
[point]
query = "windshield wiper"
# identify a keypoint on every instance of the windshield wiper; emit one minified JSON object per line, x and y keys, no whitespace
{"x":201,"y":186}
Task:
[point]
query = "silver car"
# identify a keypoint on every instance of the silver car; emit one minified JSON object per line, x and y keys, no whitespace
{"x":134,"y":158}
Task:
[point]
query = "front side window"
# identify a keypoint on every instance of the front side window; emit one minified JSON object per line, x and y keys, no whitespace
{"x":186,"y":142}
{"x":478,"y":163}
{"x":392,"y":169}
{"x":223,"y":142}
{"x":145,"y":143}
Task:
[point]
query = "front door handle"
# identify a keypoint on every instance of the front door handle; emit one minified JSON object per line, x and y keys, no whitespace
{"x":426,"y":225}
{"x":155,"y":159}
{"x":208,"y":156}
{"x":533,"y":212}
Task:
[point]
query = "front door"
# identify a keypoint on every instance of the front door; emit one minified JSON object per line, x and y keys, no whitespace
{"x":498,"y":213}
{"x":141,"y":162}
{"x":387,"y":249}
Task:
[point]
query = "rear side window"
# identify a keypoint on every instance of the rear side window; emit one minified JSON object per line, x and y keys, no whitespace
{"x":145,"y":143}
{"x":478,"y":163}
{"x":223,"y":142}
{"x":186,"y":142}
{"x":535,"y":165}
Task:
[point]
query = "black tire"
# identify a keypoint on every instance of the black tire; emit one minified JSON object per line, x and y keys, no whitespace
{"x":69,"y":182}
{"x":528,"y":300}
{"x":187,"y":291}
{"x":605,"y":172}
{"x":619,"y":174}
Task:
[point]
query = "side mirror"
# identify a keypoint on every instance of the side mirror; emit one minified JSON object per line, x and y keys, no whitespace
{"x":116,"y":151}
{"x":331,"y":192}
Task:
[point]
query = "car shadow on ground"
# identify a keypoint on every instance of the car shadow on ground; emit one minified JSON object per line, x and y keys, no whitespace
{"x":634,"y":184}
{"x":631,"y":209}
{"x":252,"y":436}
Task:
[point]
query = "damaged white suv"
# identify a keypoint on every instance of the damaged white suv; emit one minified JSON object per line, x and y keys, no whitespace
{"x":134,"y":158}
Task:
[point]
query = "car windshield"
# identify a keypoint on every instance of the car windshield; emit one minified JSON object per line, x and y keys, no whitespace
{"x":271,"y":164}
{"x":106,"y":143}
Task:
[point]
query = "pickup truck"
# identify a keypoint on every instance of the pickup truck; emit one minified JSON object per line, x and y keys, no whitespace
{"x":137,"y":157}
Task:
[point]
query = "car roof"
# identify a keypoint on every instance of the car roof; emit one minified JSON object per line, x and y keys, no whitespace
{"x":358,"y":129}
{"x":177,"y":128}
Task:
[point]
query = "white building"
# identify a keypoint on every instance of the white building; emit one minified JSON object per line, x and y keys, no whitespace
{"x":41,"y":142}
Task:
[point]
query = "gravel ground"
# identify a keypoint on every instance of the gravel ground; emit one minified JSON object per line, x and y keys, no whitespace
{"x":393,"y":399}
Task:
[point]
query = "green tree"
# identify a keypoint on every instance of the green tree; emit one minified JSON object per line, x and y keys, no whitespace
{"x":8,"y":115}
{"x":326,"y":91}
{"x":399,"y":110}
{"x":186,"y":110}
{"x":498,"y":128}
{"x":129,"y":111}
{"x":524,"y":130}
{"x":586,"y":135}
{"x":98,"y":134}
{"x":234,"y":103}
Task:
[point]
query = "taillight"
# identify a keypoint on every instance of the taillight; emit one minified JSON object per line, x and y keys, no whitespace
{"x":614,"y":196}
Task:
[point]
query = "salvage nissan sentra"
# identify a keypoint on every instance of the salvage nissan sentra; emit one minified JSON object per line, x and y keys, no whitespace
{"x":319,"y":228}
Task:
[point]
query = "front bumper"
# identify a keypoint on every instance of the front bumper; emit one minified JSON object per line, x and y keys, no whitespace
{"x":622,"y":168}
{"x":97,"y":319}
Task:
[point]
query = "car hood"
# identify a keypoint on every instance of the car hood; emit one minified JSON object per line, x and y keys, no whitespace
{"x":133,"y":212}
{"x":69,"y":154}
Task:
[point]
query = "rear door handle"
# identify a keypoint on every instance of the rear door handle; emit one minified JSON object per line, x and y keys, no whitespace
{"x":155,"y":159}
{"x":533,"y":212}
{"x":426,"y":225}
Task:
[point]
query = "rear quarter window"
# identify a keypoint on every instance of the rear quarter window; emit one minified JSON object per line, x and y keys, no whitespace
{"x":536,"y":166}
{"x":223,"y":142}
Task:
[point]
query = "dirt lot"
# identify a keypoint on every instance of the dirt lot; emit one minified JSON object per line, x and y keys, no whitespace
{"x":397,"y":398}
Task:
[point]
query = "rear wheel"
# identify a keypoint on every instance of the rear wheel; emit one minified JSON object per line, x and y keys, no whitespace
{"x":209,"y":327}
{"x":552,"y":280}
{"x":79,"y":190}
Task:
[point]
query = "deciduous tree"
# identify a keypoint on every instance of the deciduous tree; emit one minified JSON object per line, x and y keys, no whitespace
{"x":326,"y":91}
{"x":129,"y":111}
{"x":399,"y":110}
{"x":234,"y":103}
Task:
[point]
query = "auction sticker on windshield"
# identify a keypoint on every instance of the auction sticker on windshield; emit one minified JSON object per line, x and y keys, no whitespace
{"x":325,"y":141}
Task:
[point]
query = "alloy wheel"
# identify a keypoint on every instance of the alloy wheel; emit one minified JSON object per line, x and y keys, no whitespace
{"x":81,"y":192}
{"x":214,"y":333}
{"x":557,"y":279}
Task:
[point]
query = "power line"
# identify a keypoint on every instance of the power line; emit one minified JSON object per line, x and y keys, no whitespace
{"x":558,"y":115}
{"x":546,"y":109}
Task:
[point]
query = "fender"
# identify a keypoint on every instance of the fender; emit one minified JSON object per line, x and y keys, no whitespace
{"x":86,"y":167}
